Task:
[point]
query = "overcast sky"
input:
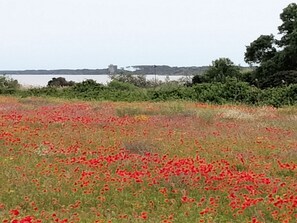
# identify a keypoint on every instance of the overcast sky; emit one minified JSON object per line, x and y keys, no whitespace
{"x":54,"y":34}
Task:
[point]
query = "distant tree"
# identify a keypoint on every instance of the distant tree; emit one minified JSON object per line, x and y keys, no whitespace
{"x":8,"y":85}
{"x":137,"y":80}
{"x":88,"y":85}
{"x":275,"y":56}
{"x":281,"y":78}
{"x":197,"y":79}
{"x":220,"y":70}
{"x":289,"y":27}
{"x":59,"y":82}
{"x":261,"y":49}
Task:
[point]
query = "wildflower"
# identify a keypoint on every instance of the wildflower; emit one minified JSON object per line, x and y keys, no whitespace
{"x":14,"y":212}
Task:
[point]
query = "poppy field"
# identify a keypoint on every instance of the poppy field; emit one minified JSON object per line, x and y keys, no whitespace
{"x":73,"y":161}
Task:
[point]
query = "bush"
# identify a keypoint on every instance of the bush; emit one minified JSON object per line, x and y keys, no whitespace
{"x":282,"y":78}
{"x":198,"y":79}
{"x":280,"y":96}
{"x":232,"y":91}
{"x":209,"y":93}
{"x":8,"y":85}
{"x":60,"y":82}
{"x":136,"y":80}
{"x":88,"y":86}
{"x":171,"y":91}
{"x":117,"y":85}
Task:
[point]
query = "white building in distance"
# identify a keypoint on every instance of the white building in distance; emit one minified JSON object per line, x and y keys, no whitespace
{"x":112,"y":69}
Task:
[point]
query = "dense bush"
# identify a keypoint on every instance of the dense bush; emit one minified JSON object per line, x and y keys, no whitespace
{"x":136,"y":80}
{"x":277,"y":58}
{"x":122,"y":86}
{"x":281,"y":78}
{"x":60,"y":82}
{"x":232,"y":91}
{"x":279,"y":96}
{"x":8,"y":85}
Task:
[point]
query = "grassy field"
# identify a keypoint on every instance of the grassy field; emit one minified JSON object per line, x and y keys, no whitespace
{"x":72,"y":161}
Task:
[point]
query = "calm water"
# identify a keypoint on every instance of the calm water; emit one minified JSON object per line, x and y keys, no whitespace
{"x":42,"y":80}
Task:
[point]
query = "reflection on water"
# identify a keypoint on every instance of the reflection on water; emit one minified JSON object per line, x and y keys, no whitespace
{"x":42,"y":80}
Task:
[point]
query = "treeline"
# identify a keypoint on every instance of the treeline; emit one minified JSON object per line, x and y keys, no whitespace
{"x":271,"y":79}
{"x":231,"y":91}
{"x":136,"y":70}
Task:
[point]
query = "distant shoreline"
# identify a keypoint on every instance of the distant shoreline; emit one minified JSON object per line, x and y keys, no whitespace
{"x":134,"y":70}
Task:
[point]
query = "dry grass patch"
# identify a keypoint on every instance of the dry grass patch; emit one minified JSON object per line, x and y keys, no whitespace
{"x":234,"y":114}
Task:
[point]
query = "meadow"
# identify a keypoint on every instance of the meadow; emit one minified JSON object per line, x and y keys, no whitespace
{"x":74,"y":161}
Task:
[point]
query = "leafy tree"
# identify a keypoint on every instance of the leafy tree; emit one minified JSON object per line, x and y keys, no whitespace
{"x":275,"y":56}
{"x":220,"y":70}
{"x":137,"y":80}
{"x":59,"y":82}
{"x":8,"y":85}
{"x":261,"y":49}
{"x":281,"y":78}
{"x":88,"y":85}
{"x":118,"y":85}
{"x":197,"y":79}
{"x":289,"y":26}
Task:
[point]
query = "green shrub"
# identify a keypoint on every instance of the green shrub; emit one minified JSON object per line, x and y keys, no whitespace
{"x":231,"y":91}
{"x":209,"y":92}
{"x":59,"y":82}
{"x":117,"y":85}
{"x":87,"y":86}
{"x":236,"y":91}
{"x":8,"y":85}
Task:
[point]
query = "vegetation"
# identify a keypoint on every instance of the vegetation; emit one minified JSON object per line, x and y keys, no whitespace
{"x":8,"y":85}
{"x":59,"y":82}
{"x":74,"y":161}
{"x":220,"y":70}
{"x":273,"y":82}
{"x":231,"y":91}
{"x":137,"y":80}
{"x":177,"y":159}
{"x":277,"y":58}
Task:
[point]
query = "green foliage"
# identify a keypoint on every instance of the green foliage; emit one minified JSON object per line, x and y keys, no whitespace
{"x":231,"y":91}
{"x":280,"y":96}
{"x":234,"y":90}
{"x":281,"y":78}
{"x":221,"y":69}
{"x":59,"y":82}
{"x":210,"y":93}
{"x":198,"y":79}
{"x":261,"y":49}
{"x":88,"y":86}
{"x":136,"y":80}
{"x":276,"y":56}
{"x":170,"y":91}
{"x":41,"y":92}
{"x":8,"y":85}
{"x":289,"y":26}
{"x":123,"y":86}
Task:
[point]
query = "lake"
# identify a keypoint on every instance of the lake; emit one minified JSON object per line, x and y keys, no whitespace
{"x":42,"y":80}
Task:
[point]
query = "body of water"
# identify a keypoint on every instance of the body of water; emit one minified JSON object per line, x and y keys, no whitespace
{"x":42,"y":80}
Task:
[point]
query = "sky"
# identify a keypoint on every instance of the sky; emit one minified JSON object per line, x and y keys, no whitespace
{"x":91,"y":34}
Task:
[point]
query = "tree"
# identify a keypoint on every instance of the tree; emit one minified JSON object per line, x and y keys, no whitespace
{"x":261,"y":49}
{"x":220,"y":70}
{"x":137,"y":80}
{"x":289,"y":26}
{"x":59,"y":82}
{"x":274,"y":56}
{"x":281,"y":78}
{"x":8,"y":85}
{"x":197,"y":79}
